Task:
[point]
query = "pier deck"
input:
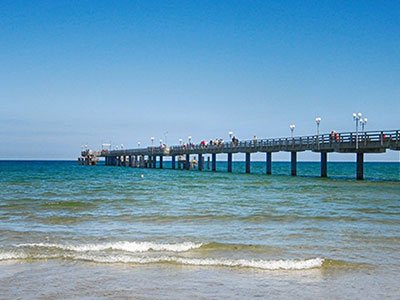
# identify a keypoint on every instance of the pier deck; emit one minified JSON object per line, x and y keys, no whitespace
{"x":348,"y":142}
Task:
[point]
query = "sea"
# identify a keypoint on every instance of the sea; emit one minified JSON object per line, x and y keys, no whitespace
{"x":100,"y":232}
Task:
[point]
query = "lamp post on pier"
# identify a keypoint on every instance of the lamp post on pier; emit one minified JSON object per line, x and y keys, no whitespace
{"x":180,"y":142}
{"x":318,"y":121}
{"x":357,"y":118}
{"x":138,"y":144}
{"x":363,"y":122}
{"x":292,"y":127}
{"x":165,"y":137}
{"x":190,"y":139}
{"x":152,"y":144}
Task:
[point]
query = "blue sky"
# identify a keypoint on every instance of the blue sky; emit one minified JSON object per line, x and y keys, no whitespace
{"x":87,"y":72}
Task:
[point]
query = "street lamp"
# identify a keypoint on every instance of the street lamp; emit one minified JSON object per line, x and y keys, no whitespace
{"x":363,"y":123}
{"x":357,"y":118}
{"x":190,"y":139}
{"x":230,"y":134}
{"x":152,"y":141}
{"x":180,"y":142}
{"x":160,"y":142}
{"x":292,"y":127}
{"x":165,"y":137}
{"x":318,"y":121}
{"x":138,"y":144}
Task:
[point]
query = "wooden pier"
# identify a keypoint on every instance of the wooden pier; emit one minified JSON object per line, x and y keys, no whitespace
{"x":348,"y":142}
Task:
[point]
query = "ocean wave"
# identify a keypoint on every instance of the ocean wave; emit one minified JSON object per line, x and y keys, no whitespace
{"x":122,"y":246}
{"x":289,"y":264}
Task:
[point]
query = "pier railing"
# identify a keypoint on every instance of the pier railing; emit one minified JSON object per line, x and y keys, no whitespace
{"x":368,"y":141}
{"x":372,"y":141}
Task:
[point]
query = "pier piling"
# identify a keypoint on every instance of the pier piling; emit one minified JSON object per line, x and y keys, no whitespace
{"x":173,"y":161}
{"x":214,"y":162}
{"x":360,"y":165}
{"x":294,"y":163}
{"x":324,"y":164}
{"x":269,"y":163}
{"x":230,"y":162}
{"x":187,"y":162}
{"x":248,"y":160}
{"x":200,"y":162}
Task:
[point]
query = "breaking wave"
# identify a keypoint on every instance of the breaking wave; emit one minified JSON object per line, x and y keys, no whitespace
{"x":289,"y":264}
{"x":259,"y":264}
{"x":122,"y":246}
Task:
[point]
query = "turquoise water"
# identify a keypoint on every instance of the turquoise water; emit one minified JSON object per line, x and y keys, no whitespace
{"x":121,"y":232}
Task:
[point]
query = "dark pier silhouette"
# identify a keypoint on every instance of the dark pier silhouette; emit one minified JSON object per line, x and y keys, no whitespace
{"x":347,"y":142}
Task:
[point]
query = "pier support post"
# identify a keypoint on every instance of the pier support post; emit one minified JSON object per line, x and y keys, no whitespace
{"x":248,"y":162}
{"x":161,"y":161}
{"x":155,"y":162}
{"x":324,"y":164}
{"x":294,"y":163}
{"x":106,"y":160}
{"x":360,"y":166}
{"x":173,"y":162}
{"x":269,"y":163}
{"x":141,"y":161}
{"x":130,"y":161}
{"x":118,"y":161}
{"x":230,"y":162}
{"x":200,"y":162}
{"x":149,"y":162}
{"x":187,"y":162}
{"x":214,"y":162}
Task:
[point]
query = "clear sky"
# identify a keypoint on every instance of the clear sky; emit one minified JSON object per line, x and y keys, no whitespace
{"x":88,"y":72}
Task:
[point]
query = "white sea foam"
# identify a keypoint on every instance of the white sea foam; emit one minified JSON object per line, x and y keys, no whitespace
{"x":290,"y":264}
{"x":122,"y":246}
{"x":12,"y":256}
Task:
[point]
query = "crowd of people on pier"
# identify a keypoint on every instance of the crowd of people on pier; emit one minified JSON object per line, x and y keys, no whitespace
{"x":218,"y":142}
